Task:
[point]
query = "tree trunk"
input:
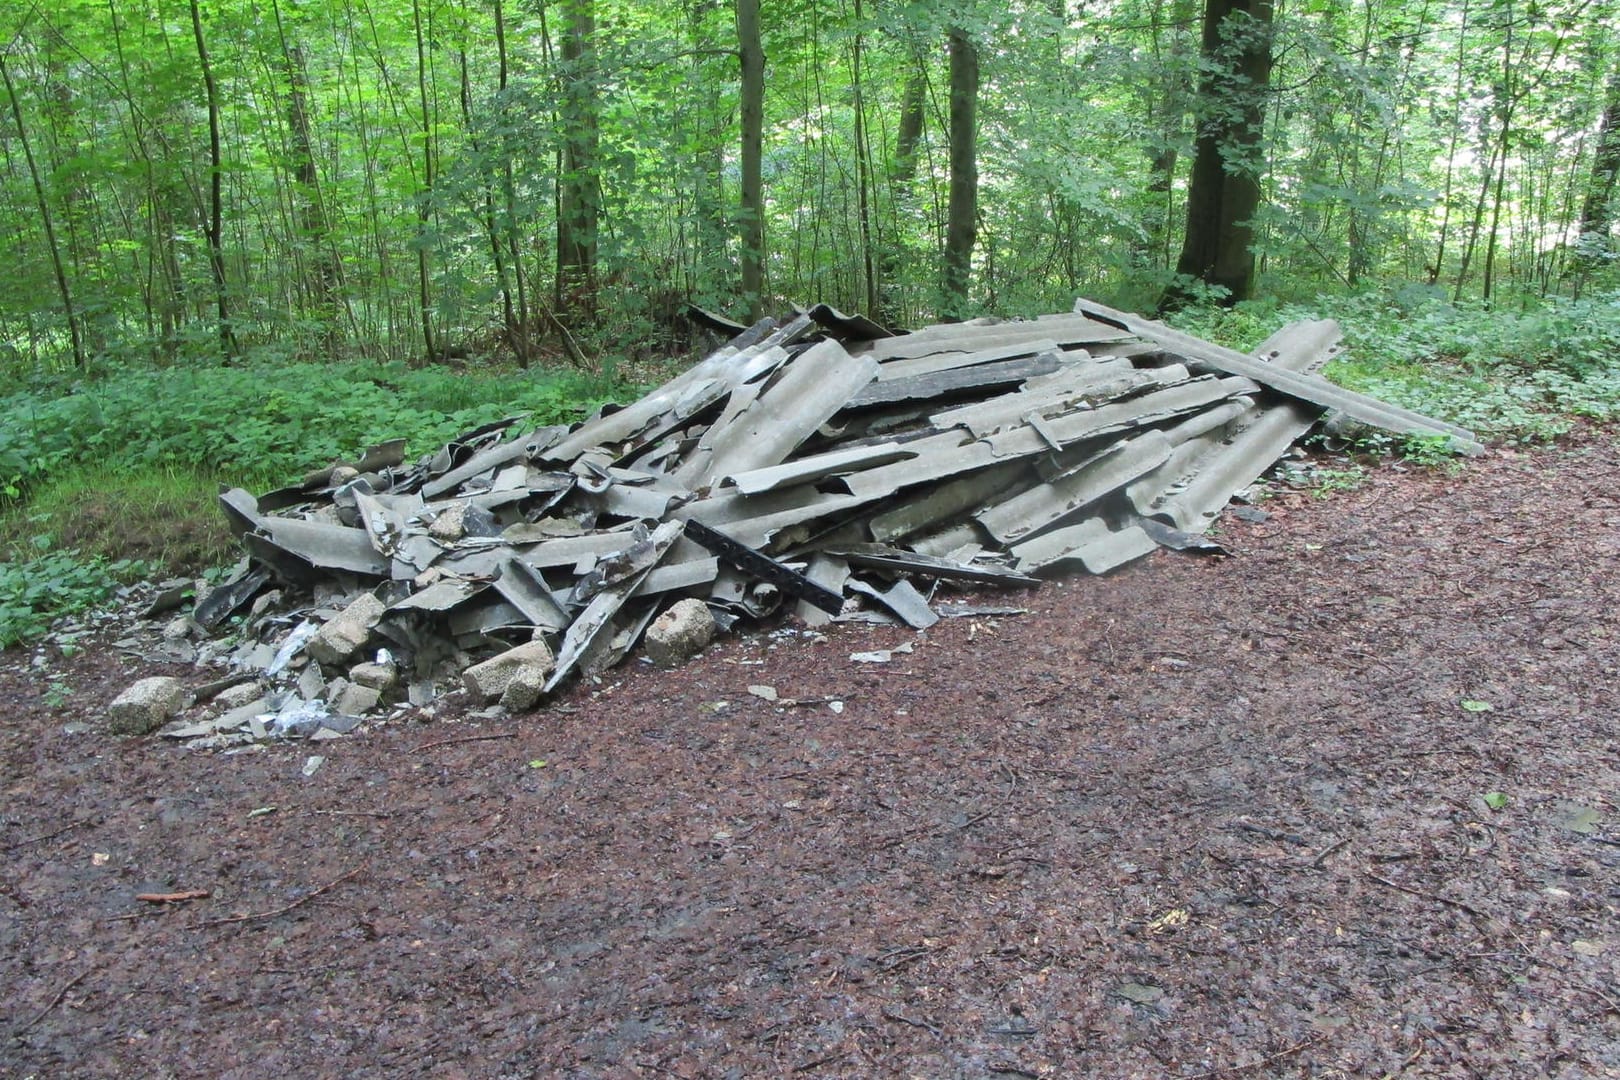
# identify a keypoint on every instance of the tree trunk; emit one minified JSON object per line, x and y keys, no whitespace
{"x":863,"y":169}
{"x":311,"y":215}
{"x":579,"y":191}
{"x":909,"y":134}
{"x":1225,"y":189}
{"x":424,"y":205}
{"x":751,"y":200}
{"x":1597,"y":213}
{"x":75,"y":334}
{"x":962,"y":211}
{"x":214,"y":228}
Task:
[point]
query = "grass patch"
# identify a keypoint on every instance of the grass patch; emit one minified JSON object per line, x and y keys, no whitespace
{"x":164,"y":518}
{"x":109,"y":480}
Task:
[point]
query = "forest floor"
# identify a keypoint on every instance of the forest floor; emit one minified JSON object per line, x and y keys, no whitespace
{"x":1344,"y":804}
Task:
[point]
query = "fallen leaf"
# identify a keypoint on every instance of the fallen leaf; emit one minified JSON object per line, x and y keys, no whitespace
{"x":1470,"y":705}
{"x":1496,"y":800}
{"x":1588,"y":948}
{"x":768,"y":693}
{"x":1173,"y":919}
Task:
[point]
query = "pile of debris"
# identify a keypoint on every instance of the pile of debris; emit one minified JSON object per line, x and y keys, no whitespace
{"x":821,"y":462}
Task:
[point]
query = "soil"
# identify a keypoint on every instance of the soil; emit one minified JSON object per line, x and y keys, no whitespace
{"x":1343,"y":804}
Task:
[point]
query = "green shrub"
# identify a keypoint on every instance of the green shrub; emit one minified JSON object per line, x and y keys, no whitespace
{"x":261,"y":423}
{"x":35,"y":591}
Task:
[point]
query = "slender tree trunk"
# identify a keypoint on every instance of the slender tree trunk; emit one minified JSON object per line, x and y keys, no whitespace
{"x":863,"y":169}
{"x":75,"y":333}
{"x":310,"y":213}
{"x":751,"y":200}
{"x":962,"y":213}
{"x":1597,"y":205}
{"x":908,"y":136}
{"x":579,"y":190}
{"x":1225,"y":191}
{"x":215,"y":226}
{"x":424,"y":205}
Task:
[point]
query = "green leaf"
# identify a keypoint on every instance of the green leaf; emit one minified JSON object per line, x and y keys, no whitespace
{"x":1496,"y":800}
{"x":1470,"y":705}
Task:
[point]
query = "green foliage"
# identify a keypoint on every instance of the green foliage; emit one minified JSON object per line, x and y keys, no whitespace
{"x":50,"y":583}
{"x":1517,"y":374}
{"x":260,"y":423}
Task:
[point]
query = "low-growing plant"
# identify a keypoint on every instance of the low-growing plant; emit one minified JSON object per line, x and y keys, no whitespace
{"x":37,"y":590}
{"x":263,"y":423}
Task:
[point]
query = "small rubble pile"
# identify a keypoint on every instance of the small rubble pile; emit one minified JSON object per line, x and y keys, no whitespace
{"x":822,"y":463}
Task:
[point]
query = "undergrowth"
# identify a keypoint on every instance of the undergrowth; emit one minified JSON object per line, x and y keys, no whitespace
{"x":109,"y":480}
{"x":1510,"y":374}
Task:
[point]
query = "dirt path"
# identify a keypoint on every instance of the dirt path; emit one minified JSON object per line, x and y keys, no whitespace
{"x":1209,"y":818}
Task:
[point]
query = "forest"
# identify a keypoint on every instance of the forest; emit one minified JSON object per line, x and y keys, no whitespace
{"x":251,"y":236}
{"x":422,"y":179}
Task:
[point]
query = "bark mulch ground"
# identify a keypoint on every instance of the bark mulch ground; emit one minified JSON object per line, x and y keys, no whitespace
{"x":1342,"y":805}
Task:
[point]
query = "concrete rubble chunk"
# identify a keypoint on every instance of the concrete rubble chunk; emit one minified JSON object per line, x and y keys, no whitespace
{"x":524,"y":691}
{"x":344,"y":635}
{"x":486,"y":682}
{"x":680,"y":633}
{"x":146,"y":705}
{"x":356,"y":700}
{"x":376,"y":676}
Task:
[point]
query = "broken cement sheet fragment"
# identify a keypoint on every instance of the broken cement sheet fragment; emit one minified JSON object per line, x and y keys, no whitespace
{"x":974,"y":611}
{"x":803,"y":396}
{"x":765,"y":568}
{"x":830,"y":573}
{"x":442,"y":595}
{"x":598,"y":614}
{"x":524,"y":588}
{"x":227,"y":721}
{"x":220,"y":603}
{"x":1091,"y":543}
{"x":671,"y":405}
{"x":808,"y":470}
{"x":643,"y":553}
{"x":943,"y":502}
{"x":1045,"y":506}
{"x":948,"y":361}
{"x":1194,"y":499}
{"x":1309,"y":388}
{"x":882,"y":557}
{"x":486,"y":460}
{"x":1065,"y":330}
{"x":329,"y":547}
{"x":903,"y":599}
{"x":880,"y":656}
{"x":1168,"y":536}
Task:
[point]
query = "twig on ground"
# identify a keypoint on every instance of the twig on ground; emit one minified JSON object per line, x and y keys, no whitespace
{"x":173,"y":897}
{"x":1316,"y":863}
{"x":463,"y":739}
{"x":890,"y":1014}
{"x":300,"y":902}
{"x":818,"y":1062}
{"x":1458,"y":904}
{"x":355,"y":813}
{"x":1234,"y":1070}
{"x":57,"y":1000}
{"x":50,"y":835}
